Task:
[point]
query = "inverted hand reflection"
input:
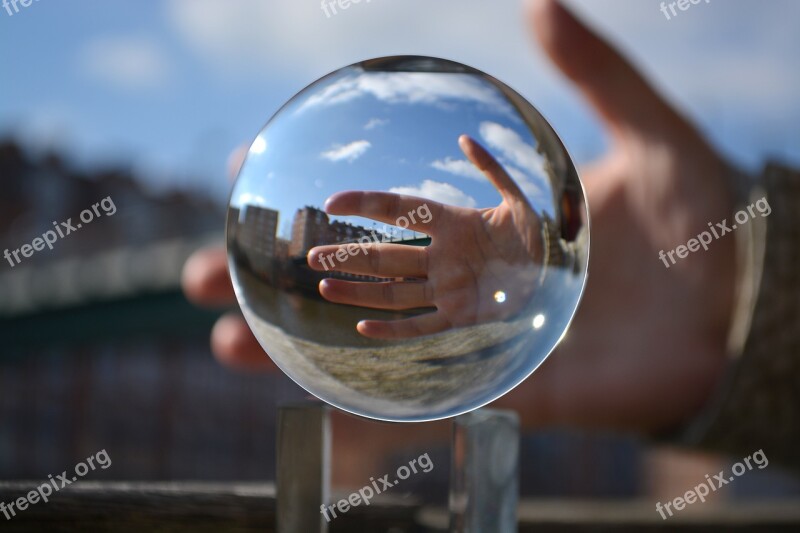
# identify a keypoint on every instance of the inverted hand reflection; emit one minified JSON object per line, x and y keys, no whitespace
{"x":482,"y":264}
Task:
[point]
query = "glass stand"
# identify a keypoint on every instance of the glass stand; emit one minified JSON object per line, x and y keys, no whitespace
{"x":484,"y":479}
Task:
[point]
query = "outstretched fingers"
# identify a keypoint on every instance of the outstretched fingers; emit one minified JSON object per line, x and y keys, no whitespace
{"x":407,"y":328}
{"x":417,"y":214}
{"x":382,"y":260}
{"x":393,"y":295}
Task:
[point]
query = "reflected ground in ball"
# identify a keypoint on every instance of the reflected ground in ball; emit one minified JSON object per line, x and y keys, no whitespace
{"x":392,"y":125}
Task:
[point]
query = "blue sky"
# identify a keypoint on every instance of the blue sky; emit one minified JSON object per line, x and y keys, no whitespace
{"x":171,"y":87}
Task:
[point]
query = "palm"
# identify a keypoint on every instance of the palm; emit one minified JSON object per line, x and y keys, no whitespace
{"x":481,"y":259}
{"x":643,"y":328}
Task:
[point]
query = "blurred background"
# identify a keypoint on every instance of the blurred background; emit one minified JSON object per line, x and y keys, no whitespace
{"x":144,"y":102}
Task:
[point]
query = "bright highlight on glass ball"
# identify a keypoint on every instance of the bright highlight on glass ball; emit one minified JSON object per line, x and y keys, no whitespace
{"x":408,"y":238}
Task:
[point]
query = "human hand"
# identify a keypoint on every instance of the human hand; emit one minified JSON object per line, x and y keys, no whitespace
{"x":648,"y":344}
{"x":481,"y":265}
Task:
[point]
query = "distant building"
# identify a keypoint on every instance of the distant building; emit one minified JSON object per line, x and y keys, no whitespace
{"x":281,"y":248}
{"x":101,"y":348}
{"x":339,"y":232}
{"x":309,"y":228}
{"x":256,"y":237}
{"x":312,"y":227}
{"x":232,"y":224}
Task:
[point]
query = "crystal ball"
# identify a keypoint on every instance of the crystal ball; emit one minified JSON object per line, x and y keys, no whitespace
{"x":408,"y":238}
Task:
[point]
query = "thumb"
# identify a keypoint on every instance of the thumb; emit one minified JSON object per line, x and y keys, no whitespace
{"x":622,"y":97}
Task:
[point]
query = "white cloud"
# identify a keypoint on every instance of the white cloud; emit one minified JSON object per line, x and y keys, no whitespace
{"x":348,"y":152}
{"x":376,"y":123}
{"x":511,"y":146}
{"x":511,"y":152}
{"x":133,"y":63}
{"x":521,"y":160}
{"x":459,"y":167}
{"x":412,"y":88}
{"x":525,"y":183}
{"x":439,"y":192}
{"x":251,"y":199}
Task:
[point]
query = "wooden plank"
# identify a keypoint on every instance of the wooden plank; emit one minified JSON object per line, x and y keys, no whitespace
{"x":166,"y":507}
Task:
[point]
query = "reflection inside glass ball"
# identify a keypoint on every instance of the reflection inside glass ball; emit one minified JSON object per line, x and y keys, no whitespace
{"x":408,"y":238}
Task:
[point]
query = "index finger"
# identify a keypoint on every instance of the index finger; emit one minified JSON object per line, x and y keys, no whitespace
{"x":418,"y":214}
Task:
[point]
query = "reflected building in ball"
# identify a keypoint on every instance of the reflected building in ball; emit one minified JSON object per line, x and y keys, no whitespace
{"x":312,"y":227}
{"x":253,"y":229}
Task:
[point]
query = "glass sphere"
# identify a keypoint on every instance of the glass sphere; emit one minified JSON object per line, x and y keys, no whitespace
{"x":408,"y":238}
